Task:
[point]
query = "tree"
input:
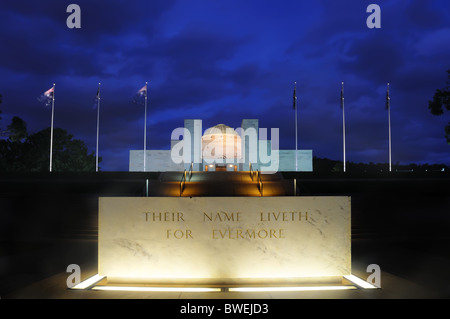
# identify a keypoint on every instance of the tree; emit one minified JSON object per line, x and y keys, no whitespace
{"x":12,"y":149}
{"x":441,"y":100}
{"x":2,"y":133}
{"x":17,"y":130}
{"x":69,"y":155}
{"x":30,"y":153}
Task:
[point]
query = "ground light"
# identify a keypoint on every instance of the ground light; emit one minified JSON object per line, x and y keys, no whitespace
{"x":361,"y":283}
{"x":88,"y":282}
{"x":300,"y":288}
{"x":155,"y":289}
{"x":91,"y":282}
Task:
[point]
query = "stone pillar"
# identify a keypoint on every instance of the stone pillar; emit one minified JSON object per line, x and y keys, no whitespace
{"x":195,"y":129}
{"x":249,"y":143}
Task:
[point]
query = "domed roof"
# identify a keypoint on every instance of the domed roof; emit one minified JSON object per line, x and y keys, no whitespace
{"x":220,"y":129}
{"x":220,"y":142}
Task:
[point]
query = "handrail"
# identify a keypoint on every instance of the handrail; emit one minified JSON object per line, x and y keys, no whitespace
{"x":184,"y":177}
{"x":182,"y":182}
{"x":190,"y":170}
{"x":260,"y":183}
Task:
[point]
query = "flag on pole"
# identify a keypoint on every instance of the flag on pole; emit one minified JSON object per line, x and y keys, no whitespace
{"x":140,"y":95}
{"x":388,"y":99}
{"x":388,"y":105}
{"x":49,"y":92}
{"x":296,"y":137}
{"x":47,"y":97}
{"x":143,"y":91}
{"x":97,"y":104}
{"x":97,"y":97}
{"x":344,"y":161}
{"x":295,"y":96}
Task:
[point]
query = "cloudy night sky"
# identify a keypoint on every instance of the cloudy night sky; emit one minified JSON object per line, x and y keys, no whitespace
{"x":222,"y":61}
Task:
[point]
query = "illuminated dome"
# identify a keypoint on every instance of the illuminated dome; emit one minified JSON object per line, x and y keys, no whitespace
{"x":221,"y":141}
{"x":220,"y":129}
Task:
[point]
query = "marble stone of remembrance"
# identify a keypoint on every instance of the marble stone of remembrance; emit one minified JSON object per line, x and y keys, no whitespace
{"x":224,"y":240}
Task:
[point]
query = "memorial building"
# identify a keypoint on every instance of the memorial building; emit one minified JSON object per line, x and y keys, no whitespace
{"x":222,"y":148}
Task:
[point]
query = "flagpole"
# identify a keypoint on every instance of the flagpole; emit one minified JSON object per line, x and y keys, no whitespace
{"x":296,"y":137}
{"x":98,"y":122}
{"x":343,"y":122}
{"x":388,"y":101}
{"x":51,"y":128}
{"x":145,"y":126}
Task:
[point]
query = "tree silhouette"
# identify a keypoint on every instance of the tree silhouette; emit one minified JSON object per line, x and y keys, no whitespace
{"x":2,"y":133}
{"x":30,"y":153}
{"x":441,"y":100}
{"x":17,"y":130}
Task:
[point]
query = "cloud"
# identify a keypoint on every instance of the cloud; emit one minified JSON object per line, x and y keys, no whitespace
{"x":222,"y":62}
{"x":425,"y":14}
{"x":434,"y":44}
{"x":377,"y":57}
{"x":41,"y":42}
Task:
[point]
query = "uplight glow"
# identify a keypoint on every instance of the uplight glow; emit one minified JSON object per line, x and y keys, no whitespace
{"x":359,"y":282}
{"x":306,"y":288}
{"x":155,"y":289}
{"x":88,"y":282}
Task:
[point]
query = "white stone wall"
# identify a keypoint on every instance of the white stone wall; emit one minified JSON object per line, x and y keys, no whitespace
{"x":287,"y":160}
{"x":156,"y":161}
{"x":161,"y":161}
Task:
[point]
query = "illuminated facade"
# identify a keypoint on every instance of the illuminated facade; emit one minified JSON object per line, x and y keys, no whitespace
{"x":222,"y":148}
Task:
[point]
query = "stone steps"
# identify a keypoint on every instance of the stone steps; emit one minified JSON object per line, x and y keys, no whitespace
{"x":220,"y":184}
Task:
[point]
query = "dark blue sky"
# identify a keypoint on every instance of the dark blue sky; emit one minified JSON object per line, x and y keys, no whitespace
{"x":221,"y":61}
